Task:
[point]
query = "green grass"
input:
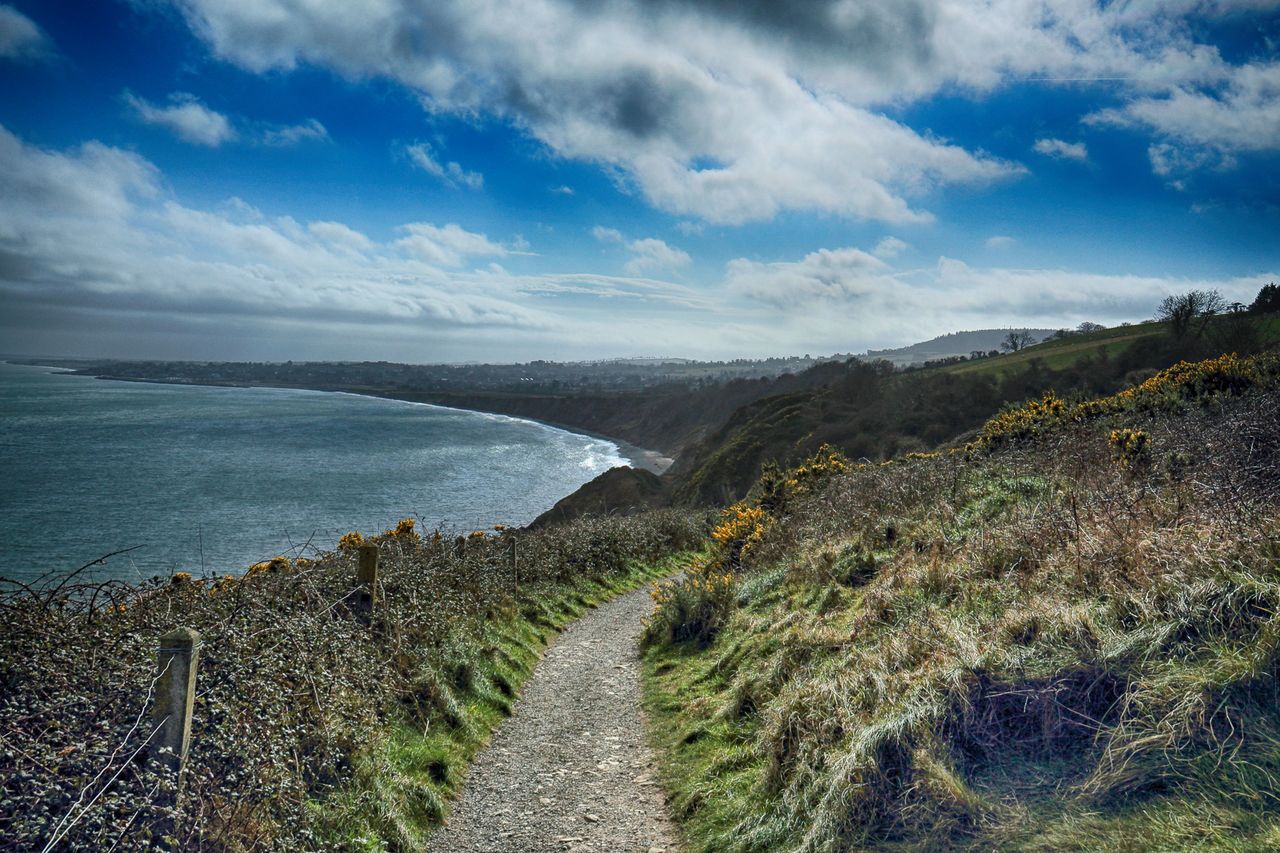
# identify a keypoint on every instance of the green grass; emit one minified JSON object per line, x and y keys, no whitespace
{"x":1062,"y":352}
{"x":705,"y":737}
{"x":1046,"y":647}
{"x":402,"y":782}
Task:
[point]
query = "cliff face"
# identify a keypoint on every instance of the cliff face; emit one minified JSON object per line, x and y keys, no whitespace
{"x":618,"y":491}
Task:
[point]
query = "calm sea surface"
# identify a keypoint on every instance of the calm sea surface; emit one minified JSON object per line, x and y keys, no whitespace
{"x":222,"y":477}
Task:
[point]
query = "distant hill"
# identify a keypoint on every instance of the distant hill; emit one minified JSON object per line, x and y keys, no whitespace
{"x":953,"y":344}
{"x":869,"y":410}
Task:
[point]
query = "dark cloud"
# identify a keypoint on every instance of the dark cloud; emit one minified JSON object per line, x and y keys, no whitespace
{"x":879,"y":34}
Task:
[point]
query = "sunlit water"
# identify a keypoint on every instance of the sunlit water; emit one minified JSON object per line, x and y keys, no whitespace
{"x":216,"y":478}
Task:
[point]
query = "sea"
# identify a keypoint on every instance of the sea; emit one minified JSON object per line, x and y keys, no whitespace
{"x":211,"y":480}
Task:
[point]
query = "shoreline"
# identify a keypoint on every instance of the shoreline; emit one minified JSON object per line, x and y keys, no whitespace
{"x":641,"y":458}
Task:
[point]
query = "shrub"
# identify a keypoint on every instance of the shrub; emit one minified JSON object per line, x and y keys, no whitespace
{"x":292,"y":685}
{"x":694,"y":607}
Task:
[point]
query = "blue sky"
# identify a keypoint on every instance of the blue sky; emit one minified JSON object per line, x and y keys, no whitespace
{"x":435,"y":180}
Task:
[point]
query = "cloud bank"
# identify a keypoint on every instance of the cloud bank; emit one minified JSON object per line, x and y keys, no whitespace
{"x":733,"y":112}
{"x":97,"y":254}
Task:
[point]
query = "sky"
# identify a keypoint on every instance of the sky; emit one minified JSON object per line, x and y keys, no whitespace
{"x":440,"y":180}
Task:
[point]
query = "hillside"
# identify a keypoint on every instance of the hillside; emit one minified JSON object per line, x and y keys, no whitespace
{"x":619,"y":491}
{"x":950,"y":346}
{"x":868,"y":410}
{"x":1062,"y":636}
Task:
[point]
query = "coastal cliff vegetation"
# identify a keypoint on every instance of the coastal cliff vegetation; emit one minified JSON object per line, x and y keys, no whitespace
{"x":1060,"y":634}
{"x":318,"y":725}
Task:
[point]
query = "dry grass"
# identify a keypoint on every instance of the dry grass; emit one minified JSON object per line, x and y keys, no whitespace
{"x":1031,"y":647}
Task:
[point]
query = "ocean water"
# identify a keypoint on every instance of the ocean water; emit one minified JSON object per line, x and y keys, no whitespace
{"x":214,"y":479}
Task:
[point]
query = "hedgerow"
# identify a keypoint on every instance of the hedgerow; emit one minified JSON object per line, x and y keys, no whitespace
{"x":294,"y":681}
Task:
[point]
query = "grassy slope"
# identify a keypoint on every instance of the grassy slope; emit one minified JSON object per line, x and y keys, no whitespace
{"x":401,"y":785}
{"x":1054,"y":651}
{"x":1062,"y":352}
{"x":785,"y":427}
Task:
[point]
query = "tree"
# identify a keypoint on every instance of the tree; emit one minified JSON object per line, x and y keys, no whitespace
{"x":1015,"y":341}
{"x":1268,"y":300}
{"x":1086,"y":326}
{"x":1190,"y":311}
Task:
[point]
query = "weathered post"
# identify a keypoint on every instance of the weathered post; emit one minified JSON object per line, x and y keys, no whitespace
{"x":515,"y":565}
{"x":175,"y":693}
{"x":367,"y":577}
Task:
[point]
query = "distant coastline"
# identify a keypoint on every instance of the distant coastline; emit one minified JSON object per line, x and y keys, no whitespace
{"x":638,"y":457}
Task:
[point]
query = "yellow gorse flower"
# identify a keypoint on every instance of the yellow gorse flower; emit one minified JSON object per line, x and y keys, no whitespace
{"x":404,"y":531}
{"x":1168,"y":389}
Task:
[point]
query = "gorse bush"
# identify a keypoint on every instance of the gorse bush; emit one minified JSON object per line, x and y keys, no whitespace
{"x":294,"y":681}
{"x":695,"y":606}
{"x":1170,"y":390}
{"x":1030,"y":647}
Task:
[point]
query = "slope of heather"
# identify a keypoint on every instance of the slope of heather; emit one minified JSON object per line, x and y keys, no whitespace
{"x":1064,"y":635}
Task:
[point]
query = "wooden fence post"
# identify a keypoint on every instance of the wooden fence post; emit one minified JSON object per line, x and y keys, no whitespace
{"x":175,"y":693}
{"x":367,"y":577}
{"x":515,"y":564}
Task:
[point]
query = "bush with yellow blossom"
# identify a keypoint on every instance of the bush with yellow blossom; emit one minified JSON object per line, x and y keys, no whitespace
{"x":350,"y":541}
{"x":1170,"y":390}
{"x":693,"y":607}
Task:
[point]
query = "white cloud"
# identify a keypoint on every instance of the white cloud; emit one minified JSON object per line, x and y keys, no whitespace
{"x":649,"y":254}
{"x":449,"y":246}
{"x":724,"y":113}
{"x":307,"y":131}
{"x":20,"y":38}
{"x":1241,"y":114}
{"x":733,"y":112}
{"x":93,"y":247}
{"x":340,"y":235}
{"x":1060,"y":150}
{"x":999,"y":241}
{"x":825,"y":275}
{"x":185,"y":116}
{"x":890,"y":247}
{"x":91,"y":232}
{"x":450,"y":173}
{"x":563,"y":189}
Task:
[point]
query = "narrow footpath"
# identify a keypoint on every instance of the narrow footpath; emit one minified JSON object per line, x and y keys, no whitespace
{"x":570,"y":770}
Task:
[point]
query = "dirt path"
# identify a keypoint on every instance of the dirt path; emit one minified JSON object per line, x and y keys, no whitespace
{"x":570,"y":771}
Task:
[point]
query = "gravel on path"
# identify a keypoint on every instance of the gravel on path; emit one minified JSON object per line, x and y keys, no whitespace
{"x":571,"y":769}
